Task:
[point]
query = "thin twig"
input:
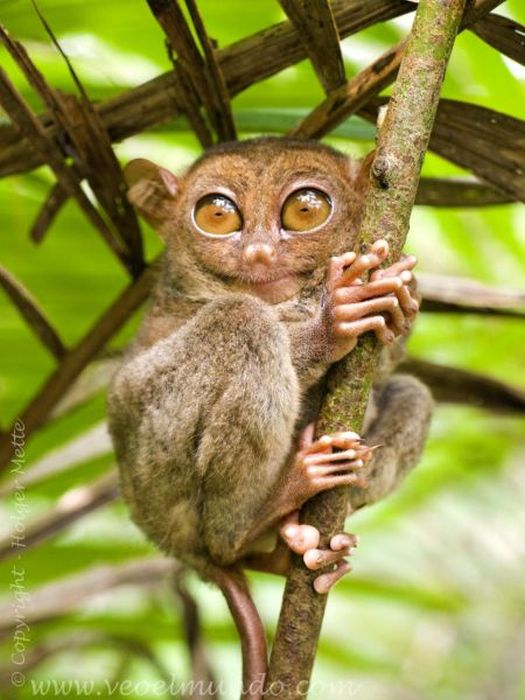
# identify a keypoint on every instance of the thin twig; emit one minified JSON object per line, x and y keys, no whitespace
{"x":504,"y":34}
{"x":92,"y":443}
{"x":315,"y":23}
{"x":206,"y":78}
{"x":454,"y":385}
{"x":39,"y":408}
{"x":202,"y":675}
{"x":53,"y":203}
{"x":224,"y":117}
{"x":456,"y":192}
{"x":30,"y":310}
{"x":347,"y":99}
{"x":463,"y":295}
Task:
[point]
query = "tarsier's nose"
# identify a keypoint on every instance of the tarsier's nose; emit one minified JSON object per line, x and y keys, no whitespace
{"x":260,"y":253}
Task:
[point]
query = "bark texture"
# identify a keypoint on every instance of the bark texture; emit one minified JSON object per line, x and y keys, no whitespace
{"x":403,"y":138}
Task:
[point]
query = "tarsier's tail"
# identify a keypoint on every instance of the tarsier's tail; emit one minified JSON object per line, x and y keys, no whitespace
{"x":251,"y":632}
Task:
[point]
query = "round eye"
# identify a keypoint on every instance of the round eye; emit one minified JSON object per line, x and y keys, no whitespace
{"x":217,"y":214}
{"x":305,"y":210}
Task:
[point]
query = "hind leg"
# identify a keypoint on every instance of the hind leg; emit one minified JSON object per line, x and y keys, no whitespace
{"x":246,"y":426}
{"x":403,"y":408}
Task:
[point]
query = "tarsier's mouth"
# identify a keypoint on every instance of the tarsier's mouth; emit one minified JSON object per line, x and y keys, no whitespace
{"x":273,"y":290}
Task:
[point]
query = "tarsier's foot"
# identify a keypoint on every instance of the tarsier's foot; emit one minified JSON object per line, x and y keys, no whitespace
{"x":319,"y":465}
{"x":386,"y":304}
{"x":304,"y":540}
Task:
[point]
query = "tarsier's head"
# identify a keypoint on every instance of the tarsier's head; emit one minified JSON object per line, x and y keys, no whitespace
{"x":260,"y":216}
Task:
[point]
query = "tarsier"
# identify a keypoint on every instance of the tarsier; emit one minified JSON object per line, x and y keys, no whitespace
{"x":212,"y":413}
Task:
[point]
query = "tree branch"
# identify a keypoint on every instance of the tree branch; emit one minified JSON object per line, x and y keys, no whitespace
{"x":447,"y":294}
{"x":395,"y":172}
{"x":72,"y":505}
{"x":74,"y":361}
{"x":315,"y":23}
{"x":60,"y":597}
{"x":30,"y":310}
{"x":455,"y":385}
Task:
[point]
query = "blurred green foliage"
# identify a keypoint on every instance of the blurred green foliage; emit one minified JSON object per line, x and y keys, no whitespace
{"x":435,"y":609}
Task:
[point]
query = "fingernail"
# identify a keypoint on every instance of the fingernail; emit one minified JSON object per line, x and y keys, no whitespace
{"x":381,"y":247}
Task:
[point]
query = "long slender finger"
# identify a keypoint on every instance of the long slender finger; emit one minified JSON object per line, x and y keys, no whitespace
{"x":406,"y":263}
{"x":322,"y":471}
{"x":377,"y":254}
{"x":326,"y":482}
{"x":350,"y":295}
{"x":322,"y":445}
{"x":347,"y":443}
{"x":307,"y":436}
{"x":357,"y":328}
{"x":343,"y":540}
{"x":324,"y":582}
{"x":381,"y":247}
{"x":315,"y":559}
{"x":337,"y":265}
{"x":409,"y":305}
{"x":325,"y":443}
{"x":362,"y":264}
{"x":345,"y":435}
{"x":343,"y":456}
{"x":389,"y":304}
{"x":377,"y":288}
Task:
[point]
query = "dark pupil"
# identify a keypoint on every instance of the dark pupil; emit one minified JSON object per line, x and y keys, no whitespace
{"x":224,"y":206}
{"x":309,"y":200}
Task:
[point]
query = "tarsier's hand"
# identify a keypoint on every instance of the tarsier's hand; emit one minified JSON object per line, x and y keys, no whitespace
{"x":386,"y":304}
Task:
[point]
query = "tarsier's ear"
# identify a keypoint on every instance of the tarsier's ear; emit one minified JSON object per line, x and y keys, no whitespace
{"x":361,"y":172}
{"x":151,"y":188}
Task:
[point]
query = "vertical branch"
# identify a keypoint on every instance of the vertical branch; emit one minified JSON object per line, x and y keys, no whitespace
{"x":395,"y":172}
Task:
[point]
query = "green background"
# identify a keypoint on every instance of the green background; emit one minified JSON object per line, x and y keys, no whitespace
{"x":435,"y":607}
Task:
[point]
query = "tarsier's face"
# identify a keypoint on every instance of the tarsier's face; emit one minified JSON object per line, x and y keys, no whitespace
{"x":260,"y":215}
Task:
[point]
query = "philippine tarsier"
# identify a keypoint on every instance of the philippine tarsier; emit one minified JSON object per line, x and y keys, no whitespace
{"x":212,"y":411}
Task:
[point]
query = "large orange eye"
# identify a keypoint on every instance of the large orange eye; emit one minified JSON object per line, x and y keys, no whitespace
{"x":217,"y":214}
{"x":305,"y":210}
